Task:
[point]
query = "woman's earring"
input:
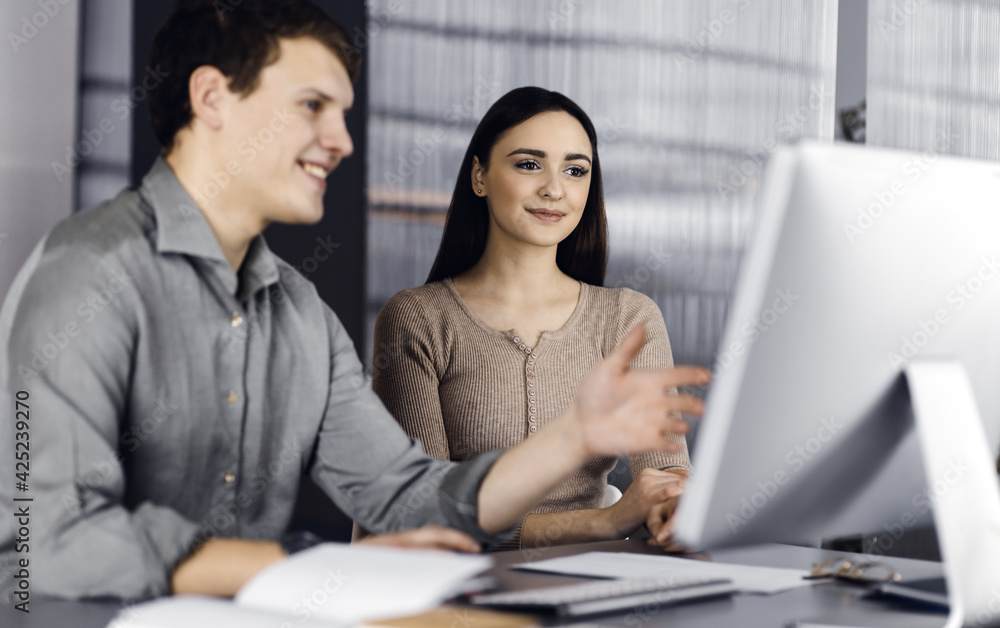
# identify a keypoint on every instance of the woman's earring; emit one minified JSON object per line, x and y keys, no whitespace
{"x":479,"y":191}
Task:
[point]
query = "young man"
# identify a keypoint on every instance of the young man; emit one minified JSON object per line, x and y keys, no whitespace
{"x":178,"y":379}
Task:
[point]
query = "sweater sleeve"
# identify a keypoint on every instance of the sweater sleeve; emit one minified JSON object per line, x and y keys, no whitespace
{"x":404,"y":372}
{"x":636,"y":308}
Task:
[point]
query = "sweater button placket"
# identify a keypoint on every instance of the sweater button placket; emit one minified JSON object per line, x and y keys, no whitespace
{"x":532,"y":408}
{"x":529,"y":370}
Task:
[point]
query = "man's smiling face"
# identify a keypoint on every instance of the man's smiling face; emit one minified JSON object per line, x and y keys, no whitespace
{"x":288,"y":134}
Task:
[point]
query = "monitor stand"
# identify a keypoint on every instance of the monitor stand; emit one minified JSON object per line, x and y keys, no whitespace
{"x":962,"y":473}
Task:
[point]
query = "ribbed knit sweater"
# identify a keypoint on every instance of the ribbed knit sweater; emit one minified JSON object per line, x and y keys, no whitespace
{"x":463,"y":388}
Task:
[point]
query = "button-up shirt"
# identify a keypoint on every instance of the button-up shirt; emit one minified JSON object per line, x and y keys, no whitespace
{"x":167,"y":398}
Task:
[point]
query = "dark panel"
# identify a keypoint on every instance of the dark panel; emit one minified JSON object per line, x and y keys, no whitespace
{"x":340,"y":279}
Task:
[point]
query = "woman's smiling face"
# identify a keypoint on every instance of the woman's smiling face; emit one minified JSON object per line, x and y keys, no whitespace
{"x":538,"y":179}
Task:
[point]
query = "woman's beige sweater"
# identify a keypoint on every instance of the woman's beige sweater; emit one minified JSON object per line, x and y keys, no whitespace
{"x":463,"y":388}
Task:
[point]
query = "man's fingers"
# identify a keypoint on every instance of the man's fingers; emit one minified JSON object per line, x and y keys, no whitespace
{"x":428,"y":537}
{"x":449,"y":539}
{"x":628,"y":349}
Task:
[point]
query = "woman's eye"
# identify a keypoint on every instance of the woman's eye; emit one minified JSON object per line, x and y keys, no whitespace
{"x":576,"y":171}
{"x":527,"y":164}
{"x":313,"y":105}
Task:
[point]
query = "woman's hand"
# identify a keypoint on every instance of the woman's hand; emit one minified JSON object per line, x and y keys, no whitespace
{"x":428,"y":537}
{"x":648,"y":491}
{"x":620,"y":411}
{"x":660,"y":524}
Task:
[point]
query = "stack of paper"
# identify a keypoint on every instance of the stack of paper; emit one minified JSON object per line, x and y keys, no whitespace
{"x":328,"y":585}
{"x":747,"y":579}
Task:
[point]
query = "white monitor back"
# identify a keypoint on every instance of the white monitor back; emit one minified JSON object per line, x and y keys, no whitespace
{"x":863,"y":259}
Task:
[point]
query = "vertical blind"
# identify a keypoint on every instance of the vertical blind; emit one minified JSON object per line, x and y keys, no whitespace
{"x":934,"y":76}
{"x":689,"y":99}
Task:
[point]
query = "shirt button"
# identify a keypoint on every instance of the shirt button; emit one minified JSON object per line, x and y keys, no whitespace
{"x":532,"y":429}
{"x":530,"y":361}
{"x":531,"y":384}
{"x":531,"y":409}
{"x":531,"y":401}
{"x":232,"y":397}
{"x":521,"y":347}
{"x":531,"y":393}
{"x":236,"y":319}
{"x":229,"y":477}
{"x":517,"y":340}
{"x":534,"y":356}
{"x":531,"y":419}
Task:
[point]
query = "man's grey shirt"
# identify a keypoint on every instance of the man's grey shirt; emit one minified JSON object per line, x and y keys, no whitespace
{"x":170,"y":398}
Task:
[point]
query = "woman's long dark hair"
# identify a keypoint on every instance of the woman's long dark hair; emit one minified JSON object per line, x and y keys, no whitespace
{"x":583,"y":255}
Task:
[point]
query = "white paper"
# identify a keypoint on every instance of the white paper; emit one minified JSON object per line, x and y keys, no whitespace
{"x":350,"y":583}
{"x":188,"y":611}
{"x":747,"y":579}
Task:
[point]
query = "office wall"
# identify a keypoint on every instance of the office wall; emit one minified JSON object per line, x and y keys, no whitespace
{"x":689,"y":99}
{"x":38,"y":63}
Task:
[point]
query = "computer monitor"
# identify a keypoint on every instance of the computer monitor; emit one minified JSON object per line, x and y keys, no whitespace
{"x":865,"y":261}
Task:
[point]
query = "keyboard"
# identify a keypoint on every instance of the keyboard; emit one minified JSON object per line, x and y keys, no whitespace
{"x":603,"y":596}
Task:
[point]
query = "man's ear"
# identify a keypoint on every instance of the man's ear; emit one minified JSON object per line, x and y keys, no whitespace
{"x":208,"y":90}
{"x":478,"y":178}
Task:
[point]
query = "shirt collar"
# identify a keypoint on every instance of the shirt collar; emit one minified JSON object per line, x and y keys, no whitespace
{"x":182,"y":228}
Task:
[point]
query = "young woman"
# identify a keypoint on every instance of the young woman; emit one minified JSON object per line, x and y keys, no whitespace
{"x":512,"y":317}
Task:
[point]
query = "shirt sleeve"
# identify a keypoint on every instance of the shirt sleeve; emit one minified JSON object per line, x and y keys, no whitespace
{"x":376,"y":473}
{"x":68,"y":339}
{"x":404,"y":375}
{"x":637,"y":308}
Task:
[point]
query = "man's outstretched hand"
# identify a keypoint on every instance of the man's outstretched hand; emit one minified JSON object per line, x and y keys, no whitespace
{"x":621,"y":411}
{"x":428,"y":537}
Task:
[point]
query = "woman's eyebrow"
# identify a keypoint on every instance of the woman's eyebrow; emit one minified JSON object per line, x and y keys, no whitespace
{"x":542,"y":154}
{"x":528,"y":151}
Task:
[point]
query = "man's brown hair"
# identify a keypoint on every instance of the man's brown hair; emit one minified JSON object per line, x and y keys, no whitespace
{"x":240,"y":38}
